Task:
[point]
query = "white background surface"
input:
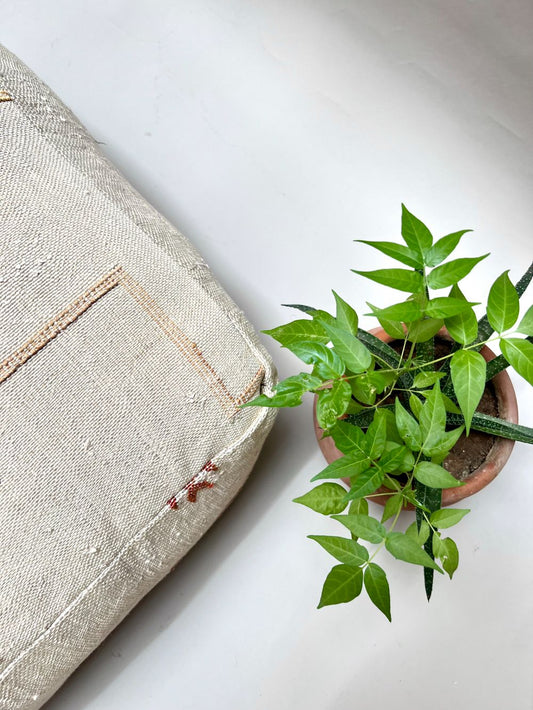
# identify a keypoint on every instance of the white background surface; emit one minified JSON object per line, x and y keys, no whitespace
{"x":273,"y":134}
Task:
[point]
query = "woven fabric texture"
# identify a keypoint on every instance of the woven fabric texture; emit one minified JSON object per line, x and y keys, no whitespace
{"x":122,"y":367}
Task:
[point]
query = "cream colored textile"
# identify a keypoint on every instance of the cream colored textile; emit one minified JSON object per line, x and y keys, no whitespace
{"x":122,"y":365}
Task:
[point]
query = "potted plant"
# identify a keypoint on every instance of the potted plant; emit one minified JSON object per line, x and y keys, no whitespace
{"x":391,"y":409}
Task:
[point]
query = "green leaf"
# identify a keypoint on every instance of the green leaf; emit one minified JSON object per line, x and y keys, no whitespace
{"x":332,"y":403}
{"x":447,"y":517}
{"x":424,"y":329}
{"x":416,"y":405}
{"x":503,"y":305}
{"x":526,"y":324}
{"x":382,"y":379}
{"x":346,"y":551}
{"x":408,"y":427}
{"x":306,"y":380}
{"x":426,"y":379}
{"x":400,"y":279}
{"x":437,"y":545}
{"x":264,"y":400}
{"x":444,"y":444}
{"x":377,"y":588}
{"x":449,"y":404}
{"x":298,"y":331}
{"x":392,"y":507}
{"x":346,"y":467}
{"x":366,"y":483}
{"x":449,"y":556}
{"x":405,"y":548}
{"x":364,"y":390}
{"x":287,"y":393}
{"x":415,"y":233}
{"x":396,"y":251}
{"x":485,"y":329}
{"x":468,"y":369}
{"x":453,"y":271}
{"x":443,"y":247}
{"x":315,"y":313}
{"x":391,"y":484}
{"x":327,"y":364}
{"x":406,"y":312}
{"x":376,"y":435}
{"x":396,"y":459}
{"x":432,"y":417}
{"x":349,"y":438}
{"x":446,"y":307}
{"x":359,"y":506}
{"x":342,"y":584}
{"x":391,"y":327}
{"x":363,"y":526}
{"x":346,"y":316}
{"x":462,"y":327}
{"x":419,"y":535}
{"x":519,"y":354}
{"x":393,"y":435}
{"x":348,"y":347}
{"x":433,"y":475}
{"x":327,"y":498}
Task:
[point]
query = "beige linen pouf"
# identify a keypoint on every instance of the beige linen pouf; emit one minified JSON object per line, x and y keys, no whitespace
{"x":122,"y":367}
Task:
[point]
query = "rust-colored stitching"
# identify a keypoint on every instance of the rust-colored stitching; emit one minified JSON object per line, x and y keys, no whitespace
{"x":254,"y":384}
{"x":187,"y":348}
{"x":192,"y":488}
{"x":59,"y":323}
{"x":4,"y":96}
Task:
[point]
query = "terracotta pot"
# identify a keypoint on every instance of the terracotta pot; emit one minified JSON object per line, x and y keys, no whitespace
{"x":495,"y":460}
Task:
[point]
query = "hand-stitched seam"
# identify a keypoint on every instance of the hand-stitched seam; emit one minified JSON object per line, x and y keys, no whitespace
{"x":187,"y":348}
{"x":4,"y":96}
{"x":252,"y":386}
{"x":49,"y":331}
